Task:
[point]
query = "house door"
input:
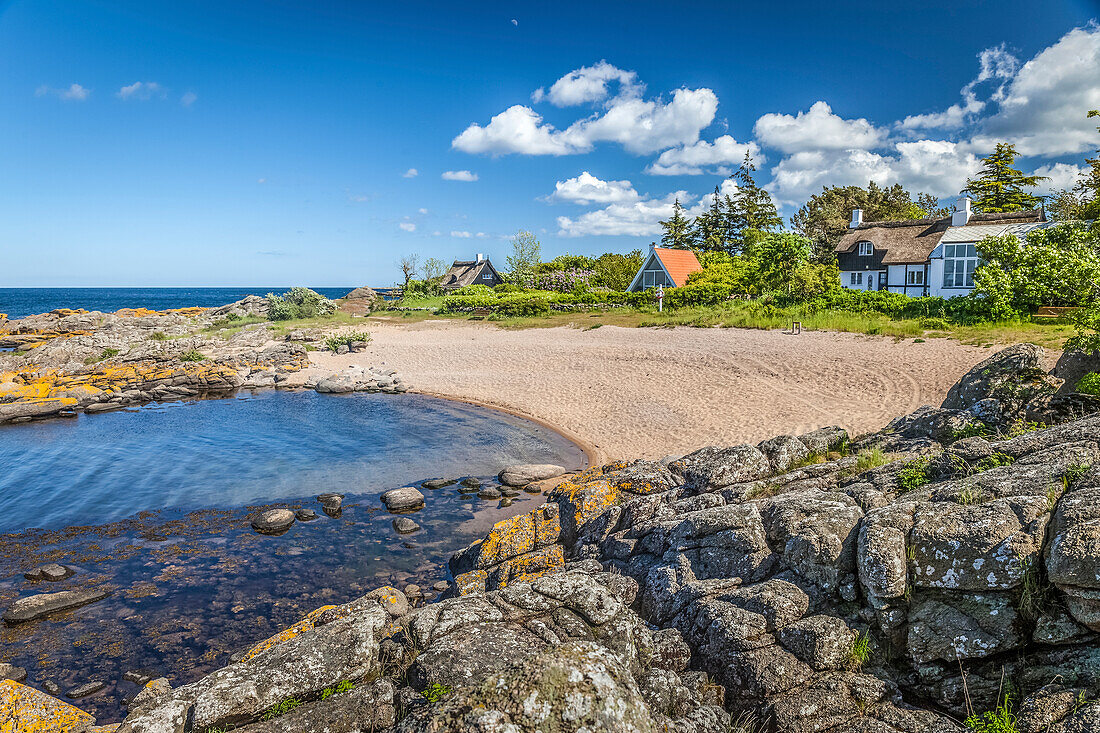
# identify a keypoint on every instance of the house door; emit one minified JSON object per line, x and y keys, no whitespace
{"x":882,"y":281}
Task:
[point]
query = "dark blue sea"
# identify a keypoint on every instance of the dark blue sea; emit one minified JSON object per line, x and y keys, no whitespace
{"x":20,"y":302}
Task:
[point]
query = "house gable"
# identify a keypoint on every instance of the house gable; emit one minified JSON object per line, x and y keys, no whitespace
{"x":669,"y":268}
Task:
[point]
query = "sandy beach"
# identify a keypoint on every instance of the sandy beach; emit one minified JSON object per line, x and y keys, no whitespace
{"x":649,"y":392}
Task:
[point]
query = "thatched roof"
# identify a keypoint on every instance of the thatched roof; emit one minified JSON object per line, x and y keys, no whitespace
{"x":467,"y":272}
{"x":905,"y":242}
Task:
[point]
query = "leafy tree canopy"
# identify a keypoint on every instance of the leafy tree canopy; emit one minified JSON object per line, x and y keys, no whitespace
{"x":526,"y":254}
{"x":999,"y":187}
{"x":1082,"y":200}
{"x":825,"y":217}
{"x":1057,"y":266}
{"x":723,"y":226}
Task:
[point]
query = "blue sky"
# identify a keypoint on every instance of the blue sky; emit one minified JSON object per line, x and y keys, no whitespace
{"x":247,"y":143}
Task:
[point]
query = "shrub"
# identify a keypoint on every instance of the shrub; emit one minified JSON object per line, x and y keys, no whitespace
{"x":192,"y":355}
{"x":934,"y":324}
{"x":336,"y":689}
{"x":347,"y":339}
{"x":1090,"y":384}
{"x":282,"y":708}
{"x":298,"y":303}
{"x":913,"y":475}
{"x":105,"y":354}
{"x":436,"y":692}
{"x":158,"y":336}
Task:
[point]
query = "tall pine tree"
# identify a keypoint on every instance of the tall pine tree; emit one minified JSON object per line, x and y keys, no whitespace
{"x":749,"y":207}
{"x":999,"y":187}
{"x":679,"y":232}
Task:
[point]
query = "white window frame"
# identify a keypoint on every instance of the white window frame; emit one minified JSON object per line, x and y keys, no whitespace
{"x":486,"y":276}
{"x":859,"y":278}
{"x":866,"y":249}
{"x":916,"y":277}
{"x":960,"y":260}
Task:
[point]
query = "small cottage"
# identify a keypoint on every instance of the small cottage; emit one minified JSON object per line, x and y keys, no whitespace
{"x":669,"y":268}
{"x":471,"y":272}
{"x":924,"y":256}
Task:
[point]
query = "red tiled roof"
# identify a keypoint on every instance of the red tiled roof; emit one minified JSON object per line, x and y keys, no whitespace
{"x":679,"y":262}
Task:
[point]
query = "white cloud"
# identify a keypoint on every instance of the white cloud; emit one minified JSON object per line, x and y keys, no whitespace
{"x":74,"y":93}
{"x":635,"y":219}
{"x":465,"y":176}
{"x":461,"y":235}
{"x":515,"y":22}
{"x":410,"y":173}
{"x":518,"y":129}
{"x":939,"y":167}
{"x":422,"y":210}
{"x":1044,"y":105}
{"x":188,"y":99}
{"x":590,"y":84}
{"x":407,"y":226}
{"x":141,"y":90}
{"x":817,"y":129}
{"x":994,"y":64}
{"x":639,"y":125}
{"x":588,"y":189}
{"x":1062,"y":176}
{"x":714,"y":158}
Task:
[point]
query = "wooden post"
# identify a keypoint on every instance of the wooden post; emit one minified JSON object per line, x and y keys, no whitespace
{"x":796,"y":328}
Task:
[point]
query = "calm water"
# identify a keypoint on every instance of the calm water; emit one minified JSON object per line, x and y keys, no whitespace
{"x":258,"y":447}
{"x":190,"y":582}
{"x":19,"y":302}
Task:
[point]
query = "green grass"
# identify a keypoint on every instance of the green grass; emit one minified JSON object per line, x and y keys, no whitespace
{"x":436,"y":692}
{"x":860,"y":653}
{"x":282,"y":708}
{"x":105,"y":354}
{"x":873,"y":458}
{"x":192,"y":355}
{"x":737,"y":314}
{"x":994,"y":461}
{"x":1036,"y":594}
{"x":970,"y":496}
{"x":346,"y":339}
{"x":158,"y":336}
{"x":1074,"y":474}
{"x":337,"y":689}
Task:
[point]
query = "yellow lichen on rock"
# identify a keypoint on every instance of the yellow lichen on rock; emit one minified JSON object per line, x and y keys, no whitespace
{"x":297,"y":629}
{"x":26,"y":710}
{"x":519,"y":535}
{"x":188,"y":312}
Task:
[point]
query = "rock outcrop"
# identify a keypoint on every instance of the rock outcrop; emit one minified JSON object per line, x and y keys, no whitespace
{"x":894,"y":583}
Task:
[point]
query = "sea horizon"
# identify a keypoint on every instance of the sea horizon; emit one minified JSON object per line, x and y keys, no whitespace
{"x":20,"y":302}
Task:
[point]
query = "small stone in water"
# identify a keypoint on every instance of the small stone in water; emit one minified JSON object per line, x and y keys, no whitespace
{"x":273,"y":521}
{"x":404,"y":525}
{"x":437,"y":483}
{"x":305,"y":515}
{"x":471,"y":483}
{"x":404,"y":499}
{"x":10,"y":672}
{"x":489,"y":493}
{"x":505,"y":502}
{"x":509,"y":492}
{"x":138,"y":678}
{"x":412,"y":591}
{"x":88,"y":688}
{"x":51,"y":572}
{"x":441,"y":586}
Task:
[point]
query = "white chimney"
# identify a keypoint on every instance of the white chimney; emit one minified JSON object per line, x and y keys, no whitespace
{"x":857,"y":218}
{"x":961,"y":215}
{"x":480,"y":257}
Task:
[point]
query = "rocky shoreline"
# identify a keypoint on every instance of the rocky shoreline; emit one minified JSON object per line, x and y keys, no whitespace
{"x":54,"y":364}
{"x":897,"y":582}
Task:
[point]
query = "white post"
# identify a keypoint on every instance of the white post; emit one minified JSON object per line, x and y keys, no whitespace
{"x":660,"y":298}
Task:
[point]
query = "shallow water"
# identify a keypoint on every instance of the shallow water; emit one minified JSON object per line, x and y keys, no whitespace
{"x":192,"y":585}
{"x":257,"y":447}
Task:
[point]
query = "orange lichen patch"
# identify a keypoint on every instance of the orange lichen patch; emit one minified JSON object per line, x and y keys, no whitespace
{"x":189,"y":312}
{"x":526,"y":567}
{"x":26,"y":710}
{"x":519,"y":535}
{"x":301,"y":627}
{"x":471,"y":582}
{"x":31,"y":385}
{"x":584,"y":497}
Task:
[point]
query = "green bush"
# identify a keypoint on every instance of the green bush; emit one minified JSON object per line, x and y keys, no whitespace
{"x":192,"y":355}
{"x":347,"y":339}
{"x":1089,"y":384}
{"x":934,"y":324}
{"x":298,"y":303}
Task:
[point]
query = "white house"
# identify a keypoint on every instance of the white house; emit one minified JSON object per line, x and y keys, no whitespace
{"x":924,"y":256}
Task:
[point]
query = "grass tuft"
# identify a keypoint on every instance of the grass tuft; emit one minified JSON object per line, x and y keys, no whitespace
{"x":860,"y":653}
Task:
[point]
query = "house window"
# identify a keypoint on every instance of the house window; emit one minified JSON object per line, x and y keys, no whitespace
{"x":857,"y":278}
{"x":959,"y":263}
{"x":866,"y":249}
{"x":916,"y":277}
{"x":652,"y":278}
{"x":486,"y":276}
